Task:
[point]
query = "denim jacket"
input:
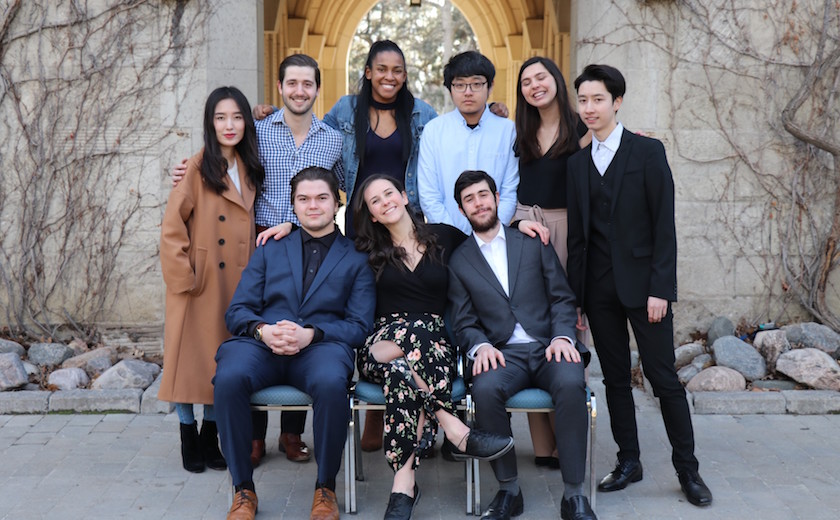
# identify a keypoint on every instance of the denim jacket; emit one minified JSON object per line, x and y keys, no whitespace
{"x":341,"y":117}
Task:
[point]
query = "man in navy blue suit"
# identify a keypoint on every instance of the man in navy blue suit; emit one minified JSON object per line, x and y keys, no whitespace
{"x":303,"y":305}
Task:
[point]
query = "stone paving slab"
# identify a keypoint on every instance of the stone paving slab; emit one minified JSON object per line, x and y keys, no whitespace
{"x":98,"y":466}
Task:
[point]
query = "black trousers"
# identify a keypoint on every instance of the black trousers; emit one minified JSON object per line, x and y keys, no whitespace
{"x":608,"y":320}
{"x":526,"y":367}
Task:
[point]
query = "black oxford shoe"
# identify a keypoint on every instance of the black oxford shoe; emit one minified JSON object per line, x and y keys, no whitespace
{"x":625,"y":472}
{"x":400,"y":505}
{"x":483,"y":445}
{"x":576,"y":508}
{"x":504,"y":506}
{"x":696,"y":491}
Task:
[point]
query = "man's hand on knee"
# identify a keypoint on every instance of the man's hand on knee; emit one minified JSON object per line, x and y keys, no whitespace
{"x":561,"y":348}
{"x":486,"y":358}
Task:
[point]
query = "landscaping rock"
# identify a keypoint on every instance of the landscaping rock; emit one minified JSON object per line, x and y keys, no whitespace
{"x":7,"y":346}
{"x":717,"y":379}
{"x":97,"y":366}
{"x":49,"y":354}
{"x":31,"y":370}
{"x":813,"y":335}
{"x":687,"y":373}
{"x":685,"y":354}
{"x":703,"y":361}
{"x":721,"y":326}
{"x":128,"y":373}
{"x":810,"y":366}
{"x":634,"y":359}
{"x":12,"y":373}
{"x":94,"y":362}
{"x":731,"y":352}
{"x":69,"y":378}
{"x":771,"y":344}
{"x":149,"y":402}
{"x":78,"y":346}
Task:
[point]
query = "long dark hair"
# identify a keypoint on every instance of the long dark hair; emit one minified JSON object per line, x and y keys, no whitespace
{"x":213,"y":165}
{"x":402,"y":113}
{"x":528,"y":118}
{"x":374,"y":238}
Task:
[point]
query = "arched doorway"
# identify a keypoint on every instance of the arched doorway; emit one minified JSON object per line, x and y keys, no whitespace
{"x":508,"y":32}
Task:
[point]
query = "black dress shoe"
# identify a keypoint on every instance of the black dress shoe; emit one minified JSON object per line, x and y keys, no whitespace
{"x":696,"y":491}
{"x":400,"y":505}
{"x":483,"y":445}
{"x":625,"y":472}
{"x":576,"y":508}
{"x":504,"y":506}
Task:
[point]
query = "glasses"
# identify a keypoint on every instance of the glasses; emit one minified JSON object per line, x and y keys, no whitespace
{"x":475,"y":86}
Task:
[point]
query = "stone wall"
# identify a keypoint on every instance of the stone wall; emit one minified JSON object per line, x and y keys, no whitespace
{"x":708,"y":82}
{"x":711,"y":82}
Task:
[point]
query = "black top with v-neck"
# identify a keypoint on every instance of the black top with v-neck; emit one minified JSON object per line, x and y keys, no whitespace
{"x":423,"y":290}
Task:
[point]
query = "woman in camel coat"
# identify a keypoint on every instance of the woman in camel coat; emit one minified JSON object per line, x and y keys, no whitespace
{"x":207,"y":237}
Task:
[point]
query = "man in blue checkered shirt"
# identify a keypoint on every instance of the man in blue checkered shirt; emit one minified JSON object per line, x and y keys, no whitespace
{"x":292,"y":139}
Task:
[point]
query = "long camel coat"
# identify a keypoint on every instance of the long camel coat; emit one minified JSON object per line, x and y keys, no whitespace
{"x":206,"y":241}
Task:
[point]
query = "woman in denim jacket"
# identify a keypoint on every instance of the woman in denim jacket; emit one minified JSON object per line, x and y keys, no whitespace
{"x":381,"y":125}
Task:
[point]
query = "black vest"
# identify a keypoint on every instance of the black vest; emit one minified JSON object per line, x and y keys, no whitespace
{"x":601,"y":193}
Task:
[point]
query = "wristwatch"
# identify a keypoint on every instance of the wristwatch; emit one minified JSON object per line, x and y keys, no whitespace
{"x":258,"y":332}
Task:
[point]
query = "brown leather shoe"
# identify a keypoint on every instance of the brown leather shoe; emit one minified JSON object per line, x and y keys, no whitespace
{"x":295,"y":449}
{"x":324,"y":505}
{"x":372,"y":436}
{"x":257,"y":452}
{"x":244,"y":506}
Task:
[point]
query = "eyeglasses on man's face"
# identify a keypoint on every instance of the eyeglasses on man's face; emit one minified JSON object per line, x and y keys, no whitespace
{"x":474,"y":86}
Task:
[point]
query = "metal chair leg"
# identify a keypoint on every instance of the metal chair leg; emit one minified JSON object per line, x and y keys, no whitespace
{"x":593,"y":414}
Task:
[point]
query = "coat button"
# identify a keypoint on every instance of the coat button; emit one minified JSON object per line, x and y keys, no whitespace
{"x":221,"y":218}
{"x":221,"y":265}
{"x":221,"y":241}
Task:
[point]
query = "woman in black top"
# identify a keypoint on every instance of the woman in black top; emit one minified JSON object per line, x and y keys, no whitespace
{"x":409,"y":353}
{"x":547,"y":133}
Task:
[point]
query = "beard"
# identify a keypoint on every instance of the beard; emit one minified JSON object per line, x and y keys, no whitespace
{"x":487,"y":225}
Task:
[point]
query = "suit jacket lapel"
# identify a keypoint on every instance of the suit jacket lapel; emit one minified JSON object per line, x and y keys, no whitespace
{"x":334,"y":255}
{"x":513,"y":241}
{"x":619,"y":163}
{"x":294,"y":252}
{"x":479,"y":263}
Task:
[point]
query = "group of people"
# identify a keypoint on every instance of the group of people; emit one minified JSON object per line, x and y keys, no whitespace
{"x":429,"y":202}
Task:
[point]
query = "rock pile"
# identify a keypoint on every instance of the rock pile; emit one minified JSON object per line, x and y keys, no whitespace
{"x":56,"y":366}
{"x":805,"y":353}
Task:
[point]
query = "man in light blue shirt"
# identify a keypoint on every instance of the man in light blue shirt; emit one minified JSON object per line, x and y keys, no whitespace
{"x":467,"y":138}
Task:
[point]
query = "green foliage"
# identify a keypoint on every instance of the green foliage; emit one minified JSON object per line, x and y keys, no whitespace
{"x":422,"y":33}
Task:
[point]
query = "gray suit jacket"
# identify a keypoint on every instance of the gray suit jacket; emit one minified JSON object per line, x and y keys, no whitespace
{"x":540,"y":297}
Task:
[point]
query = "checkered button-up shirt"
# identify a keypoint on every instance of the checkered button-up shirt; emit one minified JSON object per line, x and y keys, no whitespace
{"x":282,"y":159}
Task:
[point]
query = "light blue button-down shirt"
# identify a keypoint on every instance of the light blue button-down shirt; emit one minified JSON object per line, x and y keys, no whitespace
{"x":448,"y":147}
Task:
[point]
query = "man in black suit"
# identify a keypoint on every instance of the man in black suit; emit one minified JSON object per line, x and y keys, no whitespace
{"x":513,"y":311}
{"x":623,"y":266}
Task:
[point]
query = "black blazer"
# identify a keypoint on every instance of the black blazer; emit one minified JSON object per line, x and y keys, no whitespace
{"x":540,"y":297}
{"x":643,"y":239}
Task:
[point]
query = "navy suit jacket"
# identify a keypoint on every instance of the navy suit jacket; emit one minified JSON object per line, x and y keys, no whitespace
{"x":643,"y":236}
{"x":340,"y":302}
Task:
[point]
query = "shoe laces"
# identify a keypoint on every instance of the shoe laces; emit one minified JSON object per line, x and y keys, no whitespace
{"x":241,"y":500}
{"x":322,"y":496}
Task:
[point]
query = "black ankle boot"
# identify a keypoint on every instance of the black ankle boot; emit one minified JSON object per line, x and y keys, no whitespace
{"x":210,"y":446}
{"x":191,"y":448}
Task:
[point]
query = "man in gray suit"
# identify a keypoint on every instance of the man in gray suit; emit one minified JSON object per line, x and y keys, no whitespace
{"x":514,"y":313}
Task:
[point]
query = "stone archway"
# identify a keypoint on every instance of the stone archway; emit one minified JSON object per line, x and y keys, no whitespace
{"x":508,"y":32}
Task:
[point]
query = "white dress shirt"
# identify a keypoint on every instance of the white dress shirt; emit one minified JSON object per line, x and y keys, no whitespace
{"x":603,"y":152}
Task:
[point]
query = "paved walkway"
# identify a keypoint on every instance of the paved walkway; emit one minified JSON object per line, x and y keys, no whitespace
{"x":128,"y":466}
